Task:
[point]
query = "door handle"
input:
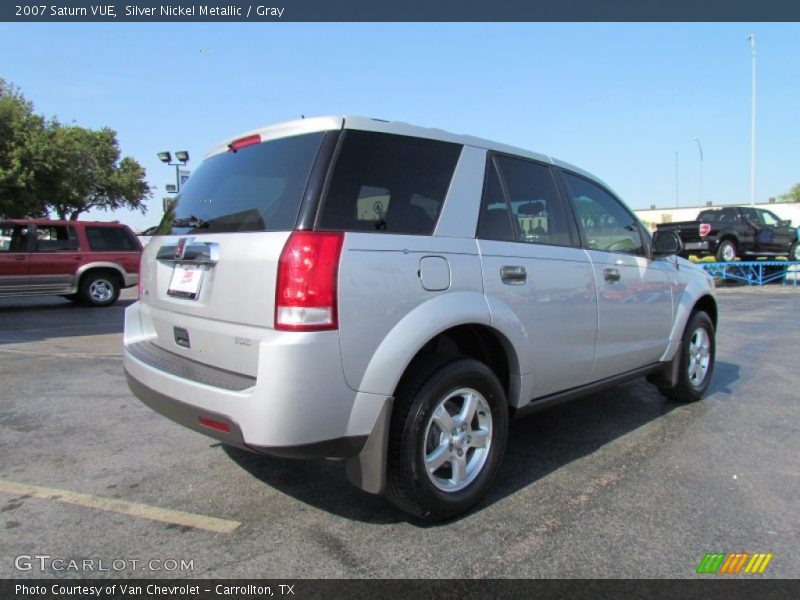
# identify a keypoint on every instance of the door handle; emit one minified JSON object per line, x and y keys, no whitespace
{"x":611,"y":275}
{"x":513,"y":274}
{"x":19,"y":257}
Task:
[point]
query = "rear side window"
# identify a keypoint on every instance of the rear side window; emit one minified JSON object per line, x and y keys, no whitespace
{"x":110,"y":239}
{"x":388,"y":183}
{"x":495,"y":219}
{"x":532,"y":209}
{"x":255,"y":188}
{"x":55,"y":238}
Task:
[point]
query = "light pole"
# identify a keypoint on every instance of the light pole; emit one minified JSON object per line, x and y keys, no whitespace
{"x":752,"y":39}
{"x":676,"y":180}
{"x":700,"y":147}
{"x":183,"y":157}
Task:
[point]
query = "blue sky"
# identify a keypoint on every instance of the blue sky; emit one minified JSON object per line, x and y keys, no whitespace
{"x":616,"y":99}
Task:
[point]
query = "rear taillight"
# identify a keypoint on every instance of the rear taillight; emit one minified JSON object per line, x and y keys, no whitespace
{"x":305,"y":297}
{"x":705,"y":229}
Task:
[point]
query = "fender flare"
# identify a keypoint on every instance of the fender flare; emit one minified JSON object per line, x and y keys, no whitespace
{"x":81,"y":271}
{"x":427,"y":320}
{"x":691,"y":295}
{"x":390,"y":360}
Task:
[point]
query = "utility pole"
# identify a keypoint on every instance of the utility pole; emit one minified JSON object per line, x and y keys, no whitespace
{"x":752,"y":39}
{"x":700,"y":147}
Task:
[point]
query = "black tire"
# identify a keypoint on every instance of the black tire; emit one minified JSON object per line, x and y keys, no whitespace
{"x":794,"y":251}
{"x":689,"y":388}
{"x":99,"y":288}
{"x":413,"y":428}
{"x":724,"y":254}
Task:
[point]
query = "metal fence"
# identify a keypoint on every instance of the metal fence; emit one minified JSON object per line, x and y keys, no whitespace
{"x":757,"y":272}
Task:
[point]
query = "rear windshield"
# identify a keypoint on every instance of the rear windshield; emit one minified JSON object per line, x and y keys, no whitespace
{"x":718,"y":216}
{"x":388,"y":183}
{"x":256,"y":188}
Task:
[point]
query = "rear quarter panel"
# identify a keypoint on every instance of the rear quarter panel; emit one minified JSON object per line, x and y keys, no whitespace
{"x":385,"y":313}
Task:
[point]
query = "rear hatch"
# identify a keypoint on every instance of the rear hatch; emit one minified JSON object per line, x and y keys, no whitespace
{"x":208,"y":281}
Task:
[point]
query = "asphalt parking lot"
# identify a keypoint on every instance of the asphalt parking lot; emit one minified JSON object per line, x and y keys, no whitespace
{"x":619,"y":484}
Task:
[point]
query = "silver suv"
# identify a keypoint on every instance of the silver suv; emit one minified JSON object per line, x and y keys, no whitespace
{"x":353,"y":288}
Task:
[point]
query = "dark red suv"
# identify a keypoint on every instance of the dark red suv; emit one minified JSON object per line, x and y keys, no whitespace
{"x":83,"y":261}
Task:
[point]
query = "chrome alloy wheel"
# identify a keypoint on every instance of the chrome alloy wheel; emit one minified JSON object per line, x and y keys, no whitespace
{"x":729,"y":253}
{"x":101,"y":290}
{"x":699,"y":356}
{"x":457,"y":440}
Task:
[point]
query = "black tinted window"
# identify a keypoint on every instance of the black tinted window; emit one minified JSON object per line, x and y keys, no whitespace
{"x":55,"y":238}
{"x":14,"y":238}
{"x":710,"y":216}
{"x":719,"y":216}
{"x":388,"y":183}
{"x":752,"y":215}
{"x":533,"y":209}
{"x":495,"y":220}
{"x":537,"y":213}
{"x":256,"y":188}
{"x":110,"y":239}
{"x":607,"y":225}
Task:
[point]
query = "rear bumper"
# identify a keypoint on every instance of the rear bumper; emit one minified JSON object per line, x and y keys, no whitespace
{"x":694,"y":246}
{"x":189,"y":416}
{"x":298,"y":405}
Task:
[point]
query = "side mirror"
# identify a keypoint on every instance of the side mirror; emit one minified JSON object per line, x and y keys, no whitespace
{"x":666,"y":243}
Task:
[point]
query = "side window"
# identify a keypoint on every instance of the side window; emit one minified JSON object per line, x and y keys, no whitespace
{"x":533,"y":212}
{"x":495,"y":220}
{"x":388,"y":183}
{"x":606,"y":223}
{"x":110,"y":239}
{"x":537,"y":213}
{"x":14,"y":238}
{"x":752,"y":215}
{"x":769,"y":218}
{"x":55,"y":238}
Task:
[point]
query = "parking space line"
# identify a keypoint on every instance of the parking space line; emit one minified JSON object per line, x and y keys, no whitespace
{"x":123,"y":507}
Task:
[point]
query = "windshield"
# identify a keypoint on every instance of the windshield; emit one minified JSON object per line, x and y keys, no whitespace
{"x":256,"y":188}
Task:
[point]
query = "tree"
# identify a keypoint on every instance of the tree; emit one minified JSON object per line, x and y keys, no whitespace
{"x":84,"y":171}
{"x":793,"y":195}
{"x":46,"y":166}
{"x":21,"y":137}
